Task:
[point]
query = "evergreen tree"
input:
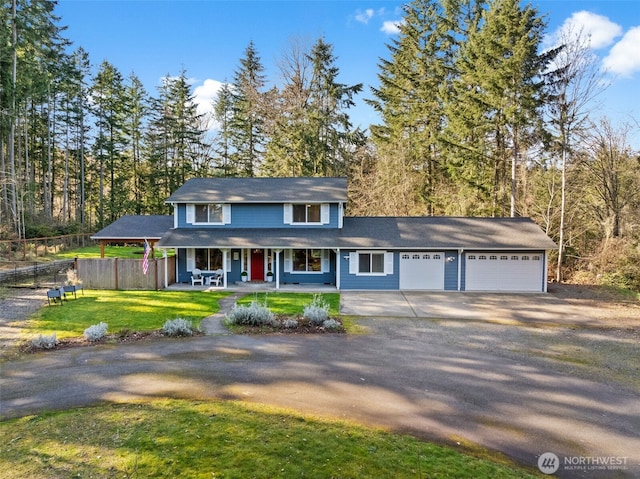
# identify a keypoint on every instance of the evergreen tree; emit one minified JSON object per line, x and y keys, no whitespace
{"x":410,"y":99}
{"x":136,"y":105}
{"x":113,"y":170}
{"x":495,"y":110}
{"x":222,"y":114}
{"x":247,"y":123}
{"x":330,"y":140}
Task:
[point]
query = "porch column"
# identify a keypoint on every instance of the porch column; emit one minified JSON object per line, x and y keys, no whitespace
{"x":166,"y":268}
{"x":225,"y":252}
{"x":278,"y":251}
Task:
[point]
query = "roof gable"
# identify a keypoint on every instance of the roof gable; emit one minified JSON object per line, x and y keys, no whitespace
{"x":261,"y":190}
{"x":131,"y":227}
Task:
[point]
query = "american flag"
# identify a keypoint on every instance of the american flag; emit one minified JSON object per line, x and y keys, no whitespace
{"x":145,"y":257}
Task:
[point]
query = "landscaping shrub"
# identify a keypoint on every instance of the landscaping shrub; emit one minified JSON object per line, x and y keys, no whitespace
{"x":316,"y":312}
{"x":44,"y":342}
{"x":96,"y":332}
{"x":290,"y":323}
{"x":331,"y":324}
{"x":255,"y":314}
{"x":177,"y":327}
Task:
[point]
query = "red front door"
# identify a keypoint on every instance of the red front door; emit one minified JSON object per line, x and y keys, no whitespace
{"x":257,"y":265}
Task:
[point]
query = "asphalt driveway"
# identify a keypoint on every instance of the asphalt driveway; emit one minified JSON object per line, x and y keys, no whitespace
{"x":451,"y":380}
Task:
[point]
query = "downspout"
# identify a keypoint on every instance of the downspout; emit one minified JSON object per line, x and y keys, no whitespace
{"x":460,"y":252}
{"x":337,"y":252}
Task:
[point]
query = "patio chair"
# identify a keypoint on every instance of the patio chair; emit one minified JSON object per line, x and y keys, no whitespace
{"x":216,"y":278}
{"x":196,"y":277}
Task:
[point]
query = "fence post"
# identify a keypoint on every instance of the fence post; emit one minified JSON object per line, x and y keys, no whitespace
{"x":115,"y":270}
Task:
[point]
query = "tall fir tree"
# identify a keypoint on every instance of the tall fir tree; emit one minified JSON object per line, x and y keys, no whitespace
{"x":495,"y":111}
{"x":247,"y":123}
{"x":108,"y":109}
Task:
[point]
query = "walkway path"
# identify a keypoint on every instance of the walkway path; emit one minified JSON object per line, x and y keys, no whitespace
{"x":212,"y":325}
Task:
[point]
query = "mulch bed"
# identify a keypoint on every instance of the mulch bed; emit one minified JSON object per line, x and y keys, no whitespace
{"x":80,"y":342}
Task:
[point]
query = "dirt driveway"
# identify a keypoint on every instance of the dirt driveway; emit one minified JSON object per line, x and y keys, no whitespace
{"x":517,"y":387}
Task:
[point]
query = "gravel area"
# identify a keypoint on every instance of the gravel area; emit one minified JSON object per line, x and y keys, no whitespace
{"x":16,"y":305}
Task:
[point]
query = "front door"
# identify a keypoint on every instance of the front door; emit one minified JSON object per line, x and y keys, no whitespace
{"x":257,"y":265}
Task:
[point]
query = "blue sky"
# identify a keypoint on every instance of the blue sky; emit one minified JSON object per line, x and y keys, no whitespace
{"x":153,"y":38}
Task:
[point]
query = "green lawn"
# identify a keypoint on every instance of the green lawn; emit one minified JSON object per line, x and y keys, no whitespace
{"x":122,"y":310}
{"x":173,"y":438}
{"x":292,"y":303}
{"x":132,"y":252}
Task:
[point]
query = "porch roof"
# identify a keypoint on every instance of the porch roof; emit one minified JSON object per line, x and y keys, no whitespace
{"x":375,"y":233}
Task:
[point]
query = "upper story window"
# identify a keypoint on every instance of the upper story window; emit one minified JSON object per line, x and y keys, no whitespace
{"x":209,"y":214}
{"x":306,"y":214}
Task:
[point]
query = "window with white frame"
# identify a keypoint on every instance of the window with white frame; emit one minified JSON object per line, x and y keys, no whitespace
{"x":206,"y":259}
{"x":209,"y":213}
{"x":306,"y":213}
{"x":309,"y":260}
{"x":371,"y":263}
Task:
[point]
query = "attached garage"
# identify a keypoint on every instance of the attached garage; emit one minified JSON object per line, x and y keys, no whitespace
{"x":504,"y":271}
{"x":422,"y":270}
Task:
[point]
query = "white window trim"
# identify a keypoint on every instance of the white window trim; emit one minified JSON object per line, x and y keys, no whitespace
{"x":325,"y":215}
{"x":354,"y":262}
{"x":325,"y":262}
{"x":226,"y":214}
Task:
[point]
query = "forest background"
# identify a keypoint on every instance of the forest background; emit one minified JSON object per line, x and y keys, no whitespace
{"x":477,"y":119}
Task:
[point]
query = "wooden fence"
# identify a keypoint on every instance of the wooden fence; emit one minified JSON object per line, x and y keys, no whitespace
{"x":33,"y":248}
{"x":126,"y":274}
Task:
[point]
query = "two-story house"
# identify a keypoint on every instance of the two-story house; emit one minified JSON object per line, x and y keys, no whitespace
{"x":294,"y":230}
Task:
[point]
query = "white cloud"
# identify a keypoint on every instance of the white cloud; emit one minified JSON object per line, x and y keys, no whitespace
{"x":204,"y":96}
{"x":391,"y":27}
{"x":364,"y":16}
{"x":601,"y":31}
{"x":624,"y":57}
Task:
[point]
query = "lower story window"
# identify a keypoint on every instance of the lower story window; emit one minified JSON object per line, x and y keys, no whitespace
{"x":370,"y":263}
{"x":209,"y":259}
{"x":307,"y":260}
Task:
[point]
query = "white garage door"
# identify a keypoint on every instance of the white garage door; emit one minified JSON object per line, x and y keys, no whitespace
{"x":422,"y":270}
{"x":503,"y":272}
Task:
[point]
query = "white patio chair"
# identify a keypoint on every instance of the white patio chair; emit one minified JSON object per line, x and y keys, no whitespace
{"x":196,"y":277}
{"x":217,"y":277}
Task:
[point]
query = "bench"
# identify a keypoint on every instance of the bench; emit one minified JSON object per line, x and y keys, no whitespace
{"x":73,"y":288}
{"x":55,"y":294}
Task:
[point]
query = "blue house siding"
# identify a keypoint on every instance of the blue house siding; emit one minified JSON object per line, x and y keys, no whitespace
{"x":364,"y":282}
{"x":252,"y":215}
{"x":451,"y":271}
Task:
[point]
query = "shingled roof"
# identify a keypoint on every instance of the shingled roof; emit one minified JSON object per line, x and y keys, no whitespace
{"x":261,"y":190}
{"x":136,"y":227}
{"x":376,"y":233}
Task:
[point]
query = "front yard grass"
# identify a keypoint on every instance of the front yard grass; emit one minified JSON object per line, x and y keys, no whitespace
{"x":177,"y":438}
{"x":291,"y":304}
{"x":122,"y":311}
